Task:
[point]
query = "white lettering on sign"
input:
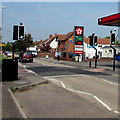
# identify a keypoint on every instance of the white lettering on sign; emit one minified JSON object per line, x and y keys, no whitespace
{"x":78,"y":49}
{"x":78,"y":46}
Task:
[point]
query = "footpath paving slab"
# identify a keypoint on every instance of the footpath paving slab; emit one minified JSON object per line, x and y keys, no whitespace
{"x":52,"y":101}
{"x":9,"y":107}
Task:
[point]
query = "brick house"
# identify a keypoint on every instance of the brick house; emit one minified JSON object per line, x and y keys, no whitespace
{"x":66,"y":47}
{"x":64,"y":43}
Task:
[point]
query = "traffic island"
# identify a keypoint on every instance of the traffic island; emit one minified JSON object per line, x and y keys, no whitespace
{"x":27,"y":87}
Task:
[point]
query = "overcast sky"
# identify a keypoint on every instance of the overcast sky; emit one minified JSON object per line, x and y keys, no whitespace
{"x":44,"y":18}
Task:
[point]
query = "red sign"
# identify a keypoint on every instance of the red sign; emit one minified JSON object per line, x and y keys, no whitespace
{"x":113,"y":19}
{"x":79,"y":31}
{"x":79,"y":43}
{"x":78,"y":52}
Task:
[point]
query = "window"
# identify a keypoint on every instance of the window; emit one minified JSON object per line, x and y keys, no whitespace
{"x":70,"y":54}
{"x":110,"y":51}
{"x":64,"y":54}
{"x":99,"y":45}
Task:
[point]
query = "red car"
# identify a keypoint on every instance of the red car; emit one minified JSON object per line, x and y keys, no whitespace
{"x":26,"y":57}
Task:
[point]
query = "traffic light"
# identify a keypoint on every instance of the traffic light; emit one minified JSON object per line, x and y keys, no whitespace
{"x":95,"y":40}
{"x":112,"y":39}
{"x":21,"y":32}
{"x":91,"y":40}
{"x":15,"y":32}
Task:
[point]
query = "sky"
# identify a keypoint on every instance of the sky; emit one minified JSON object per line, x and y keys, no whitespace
{"x":44,"y":18}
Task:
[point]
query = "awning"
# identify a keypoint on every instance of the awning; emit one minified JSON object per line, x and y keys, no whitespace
{"x":112,"y":20}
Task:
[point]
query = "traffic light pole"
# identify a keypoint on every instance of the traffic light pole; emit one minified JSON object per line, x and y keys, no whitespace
{"x":113,"y":57}
{"x":13,"y":50}
{"x":95,"y":56}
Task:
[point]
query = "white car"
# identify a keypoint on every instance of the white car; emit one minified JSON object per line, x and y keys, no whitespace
{"x":9,"y":54}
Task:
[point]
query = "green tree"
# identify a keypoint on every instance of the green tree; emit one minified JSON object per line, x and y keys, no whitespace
{"x":21,"y":45}
{"x":8,"y":47}
{"x":108,"y":37}
{"x":117,"y":42}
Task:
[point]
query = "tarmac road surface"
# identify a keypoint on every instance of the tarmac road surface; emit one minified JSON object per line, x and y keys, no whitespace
{"x":52,"y":101}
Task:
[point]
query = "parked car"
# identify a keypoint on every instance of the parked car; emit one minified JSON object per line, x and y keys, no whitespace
{"x":16,"y":54}
{"x":26,"y":57}
{"x":5,"y":52}
{"x":9,"y":54}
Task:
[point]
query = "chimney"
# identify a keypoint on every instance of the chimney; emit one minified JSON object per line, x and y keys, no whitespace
{"x":55,"y":34}
{"x":50,"y":36}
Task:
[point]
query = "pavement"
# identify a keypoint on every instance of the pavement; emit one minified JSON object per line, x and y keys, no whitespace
{"x":45,"y":100}
{"x":10,"y":108}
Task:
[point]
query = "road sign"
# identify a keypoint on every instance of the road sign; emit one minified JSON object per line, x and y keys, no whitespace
{"x":78,"y":52}
{"x":79,"y":37}
{"x":79,"y":31}
{"x":78,"y":49}
{"x":78,"y":46}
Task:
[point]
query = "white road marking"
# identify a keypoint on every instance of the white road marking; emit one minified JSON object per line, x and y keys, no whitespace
{"x":30,"y":71}
{"x":84,"y":93}
{"x":104,"y":104}
{"x":109,"y":81}
{"x":77,"y":75}
{"x":63,"y":85}
{"x":117,"y":112}
{"x":59,"y":76}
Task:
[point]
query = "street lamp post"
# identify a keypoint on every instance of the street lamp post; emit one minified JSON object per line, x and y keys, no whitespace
{"x":2,"y":7}
{"x":1,"y":27}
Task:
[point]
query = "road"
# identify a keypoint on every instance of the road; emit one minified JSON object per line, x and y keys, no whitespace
{"x":73,"y":91}
{"x":98,"y":86}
